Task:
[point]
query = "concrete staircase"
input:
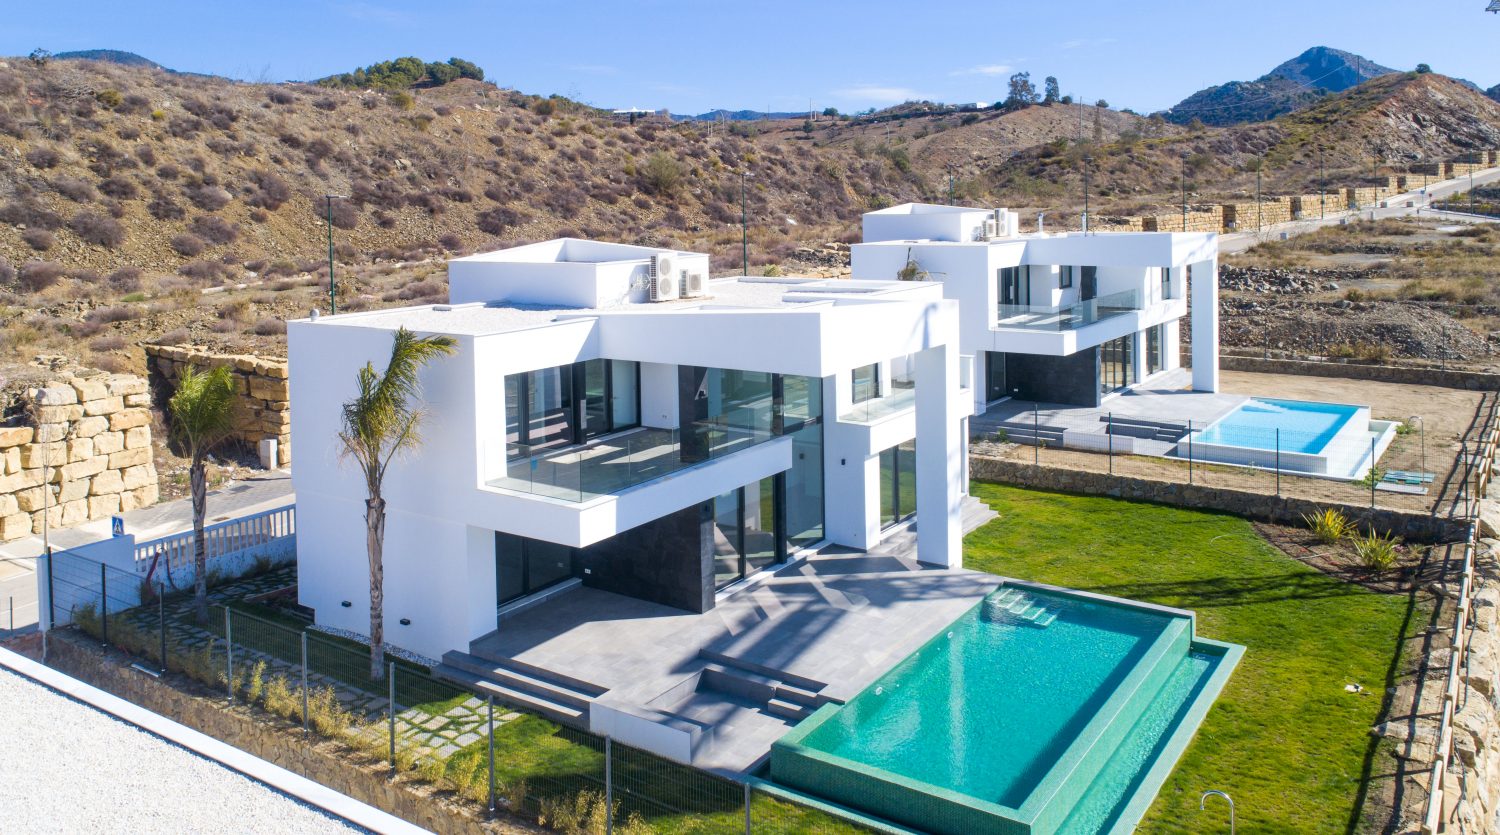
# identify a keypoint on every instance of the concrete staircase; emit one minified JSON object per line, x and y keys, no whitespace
{"x":782,"y":694}
{"x":1015,"y":431}
{"x":1166,"y":431}
{"x":1014,"y":604}
{"x":556,"y":696}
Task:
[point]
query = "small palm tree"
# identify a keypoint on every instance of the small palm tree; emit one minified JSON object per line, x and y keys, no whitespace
{"x":202,"y":417}
{"x":379,"y":423}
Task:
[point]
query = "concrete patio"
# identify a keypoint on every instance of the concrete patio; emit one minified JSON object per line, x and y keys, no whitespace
{"x":738,"y":676}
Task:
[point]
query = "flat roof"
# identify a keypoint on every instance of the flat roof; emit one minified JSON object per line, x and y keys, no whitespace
{"x":740,"y":293}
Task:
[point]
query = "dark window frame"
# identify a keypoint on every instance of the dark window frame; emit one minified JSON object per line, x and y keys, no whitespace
{"x":854,"y":394}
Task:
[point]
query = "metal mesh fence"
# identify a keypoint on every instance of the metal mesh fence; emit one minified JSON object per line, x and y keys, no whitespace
{"x":411,"y":720}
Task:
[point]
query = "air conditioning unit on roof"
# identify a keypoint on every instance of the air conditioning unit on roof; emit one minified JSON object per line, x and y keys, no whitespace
{"x":694,"y":284}
{"x":665,"y":283}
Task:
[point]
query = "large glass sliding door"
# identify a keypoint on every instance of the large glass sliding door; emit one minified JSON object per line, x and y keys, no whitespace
{"x":1154,"y":359}
{"x":569,"y":404}
{"x":1117,"y":364}
{"x":744,"y":532}
{"x":994,"y":375}
{"x":524,"y":566}
{"x":898,"y":483}
{"x":802,"y":485}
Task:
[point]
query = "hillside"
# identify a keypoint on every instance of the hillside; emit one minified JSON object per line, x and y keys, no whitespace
{"x":1290,"y":86}
{"x":1386,"y":124}
{"x":112,"y":56}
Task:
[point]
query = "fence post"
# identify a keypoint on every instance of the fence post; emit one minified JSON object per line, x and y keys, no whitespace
{"x":1109,"y":430}
{"x":1278,"y":462}
{"x":490,"y":699}
{"x":161,"y":621}
{"x":1374,"y":476}
{"x":229,"y":653}
{"x":51,"y":606}
{"x":747,"y":807}
{"x":103,"y":604}
{"x":1190,"y":451}
{"x":304,"y":683}
{"x":1036,"y":436}
{"x":391,"y":713}
{"x":609,"y":786}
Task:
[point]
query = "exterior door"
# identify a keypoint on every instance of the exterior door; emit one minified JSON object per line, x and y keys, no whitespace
{"x":1088,"y":283}
{"x":525,"y":566}
{"x":994,"y":375}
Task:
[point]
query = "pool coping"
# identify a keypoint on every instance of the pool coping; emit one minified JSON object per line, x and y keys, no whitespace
{"x":1254,"y":398}
{"x":1041,"y":795}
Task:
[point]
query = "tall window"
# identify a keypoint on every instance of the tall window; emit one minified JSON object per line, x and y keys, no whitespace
{"x":1166,"y":283}
{"x":1065,"y":277}
{"x":1116,"y":364}
{"x":898,"y":483}
{"x":1014,"y":285}
{"x":801,"y":486}
{"x":866,"y":382}
{"x":1154,"y":360}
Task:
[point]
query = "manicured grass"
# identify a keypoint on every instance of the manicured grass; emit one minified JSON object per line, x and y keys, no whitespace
{"x":1284,"y":739}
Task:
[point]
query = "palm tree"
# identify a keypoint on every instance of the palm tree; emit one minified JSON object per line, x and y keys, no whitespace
{"x":379,"y":423}
{"x":202,"y":417}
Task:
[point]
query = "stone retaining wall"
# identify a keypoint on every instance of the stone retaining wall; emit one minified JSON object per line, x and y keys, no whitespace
{"x":1250,"y":215}
{"x":1405,"y":374}
{"x":263,"y":408}
{"x":1198,"y":220}
{"x":277,"y":742}
{"x":1416,"y":527}
{"x":85,"y":455}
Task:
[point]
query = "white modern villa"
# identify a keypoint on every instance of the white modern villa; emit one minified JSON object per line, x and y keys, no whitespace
{"x":1068,"y":318}
{"x":616,"y":420}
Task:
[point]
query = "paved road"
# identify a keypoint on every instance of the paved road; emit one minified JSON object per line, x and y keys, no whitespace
{"x":1395,"y":207}
{"x":234,"y":499}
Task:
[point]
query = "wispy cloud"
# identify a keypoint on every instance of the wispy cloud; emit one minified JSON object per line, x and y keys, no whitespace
{"x":1080,"y":43}
{"x":594,"y":69}
{"x":373,"y":14}
{"x":879,"y":93}
{"x":985,"y":69}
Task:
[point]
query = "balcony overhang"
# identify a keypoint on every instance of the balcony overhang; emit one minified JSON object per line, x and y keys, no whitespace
{"x":1062,"y":343}
{"x":584,"y":523}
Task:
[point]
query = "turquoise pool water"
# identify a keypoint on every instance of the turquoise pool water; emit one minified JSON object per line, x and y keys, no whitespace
{"x":1037,"y":712}
{"x":989,"y":709}
{"x":1306,"y":426}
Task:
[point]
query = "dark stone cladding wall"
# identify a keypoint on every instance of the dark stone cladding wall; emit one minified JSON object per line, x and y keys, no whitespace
{"x":1414,"y":526}
{"x":668,"y":560}
{"x":1073,"y":379}
{"x":1408,"y":375}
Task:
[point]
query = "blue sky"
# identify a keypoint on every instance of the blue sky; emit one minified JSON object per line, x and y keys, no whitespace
{"x":695,"y":56}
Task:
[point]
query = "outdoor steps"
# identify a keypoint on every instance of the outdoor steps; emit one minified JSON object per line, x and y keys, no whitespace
{"x":1167,"y":431}
{"x":783,"y":694}
{"x":1017,"y":431}
{"x":974,"y":513}
{"x":1015,"y":602}
{"x":551,"y":694}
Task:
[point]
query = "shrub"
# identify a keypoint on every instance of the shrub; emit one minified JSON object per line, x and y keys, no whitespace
{"x":7,"y":272}
{"x":31,"y":215}
{"x":38,"y":239}
{"x":214,"y":228}
{"x":125,"y":279}
{"x":209,"y":198}
{"x":39,"y":275}
{"x":188,"y":245}
{"x":662,"y":173}
{"x":544,"y":107}
{"x":496,"y":221}
{"x":1329,"y":526}
{"x":402,"y":100}
{"x":109,"y":98}
{"x":451,"y":242}
{"x":111,"y":315}
{"x":270,"y":190}
{"x":73,"y":188}
{"x":104,"y":344}
{"x":119,"y":188}
{"x":97,"y":229}
{"x":1377,"y":552}
{"x":43,"y":157}
{"x":345,"y":214}
{"x":163,"y":207}
{"x":269,"y":326}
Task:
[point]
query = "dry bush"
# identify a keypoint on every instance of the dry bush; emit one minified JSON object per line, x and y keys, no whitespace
{"x":97,"y":229}
{"x":119,"y":188}
{"x":7,"y":272}
{"x":43,"y":157}
{"x":38,"y":239}
{"x":270,"y":190}
{"x":146,"y":154}
{"x":103,"y":344}
{"x":209,"y":198}
{"x":345,"y":214}
{"x":125,"y":280}
{"x":163,"y":207}
{"x":74,"y":188}
{"x":214,"y":228}
{"x":280,"y":96}
{"x":188,"y":245}
{"x":30,"y":215}
{"x":112,"y":314}
{"x":39,"y":275}
{"x":269,"y":327}
{"x":176,"y":336}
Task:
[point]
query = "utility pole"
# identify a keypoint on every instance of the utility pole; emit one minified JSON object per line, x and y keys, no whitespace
{"x":1322,"y":178}
{"x":1257,"y":199}
{"x":950,"y":184}
{"x":1471,"y":183}
{"x":332,"y":303}
{"x":744,"y":226}
{"x":1184,"y":192}
{"x":1087,"y":161}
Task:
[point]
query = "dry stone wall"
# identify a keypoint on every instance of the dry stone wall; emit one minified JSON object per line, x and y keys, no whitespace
{"x":1251,"y":215}
{"x":82,"y":451}
{"x":262,"y":410}
{"x":1198,"y":220}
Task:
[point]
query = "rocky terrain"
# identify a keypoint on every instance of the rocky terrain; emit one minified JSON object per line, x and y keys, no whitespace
{"x":1291,"y":86}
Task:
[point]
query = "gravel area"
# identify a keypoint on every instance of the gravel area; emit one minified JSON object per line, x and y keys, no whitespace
{"x":72,"y":769}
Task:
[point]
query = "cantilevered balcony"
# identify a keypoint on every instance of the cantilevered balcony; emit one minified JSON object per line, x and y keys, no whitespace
{"x":619,"y":462}
{"x":899,"y":398}
{"x":1071,"y":317}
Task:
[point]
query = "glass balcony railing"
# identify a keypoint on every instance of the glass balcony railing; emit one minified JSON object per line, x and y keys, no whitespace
{"x":612,"y":464}
{"x":1072,"y":317}
{"x":900,"y":397}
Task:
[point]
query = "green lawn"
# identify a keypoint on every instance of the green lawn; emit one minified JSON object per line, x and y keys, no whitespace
{"x":1284,"y":739}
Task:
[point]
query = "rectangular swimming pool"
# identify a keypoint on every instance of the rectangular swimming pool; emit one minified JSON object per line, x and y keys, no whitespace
{"x":1304,"y":426}
{"x":1039,"y":711}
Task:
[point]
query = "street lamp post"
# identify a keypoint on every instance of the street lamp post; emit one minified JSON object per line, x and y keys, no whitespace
{"x":1257,"y":200}
{"x":1322,"y":177}
{"x":744,"y":227}
{"x":333,"y":308}
{"x":950,"y":185}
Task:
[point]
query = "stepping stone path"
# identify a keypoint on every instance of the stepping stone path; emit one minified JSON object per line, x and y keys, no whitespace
{"x":426,"y":735}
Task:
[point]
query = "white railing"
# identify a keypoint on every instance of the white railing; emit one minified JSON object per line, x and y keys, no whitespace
{"x":1433,"y":820}
{"x":247,"y":534}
